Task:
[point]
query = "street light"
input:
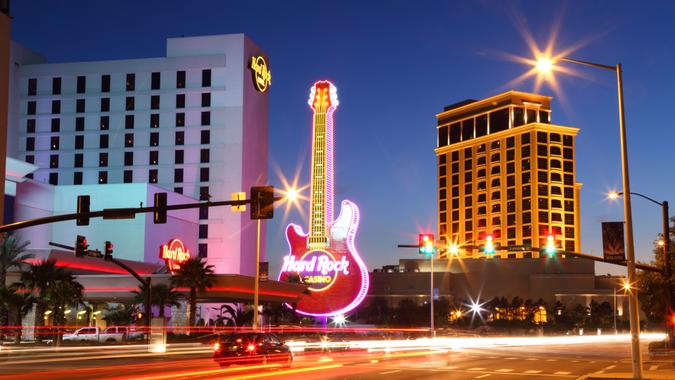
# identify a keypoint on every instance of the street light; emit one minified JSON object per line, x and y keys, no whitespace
{"x":627,"y":210}
{"x":665,"y":244}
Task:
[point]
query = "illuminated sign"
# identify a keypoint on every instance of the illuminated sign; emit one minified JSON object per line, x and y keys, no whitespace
{"x":325,"y":258}
{"x":174,"y":254}
{"x":262,"y":77}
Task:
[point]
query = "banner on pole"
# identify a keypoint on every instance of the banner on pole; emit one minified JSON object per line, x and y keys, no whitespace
{"x":613,"y":247}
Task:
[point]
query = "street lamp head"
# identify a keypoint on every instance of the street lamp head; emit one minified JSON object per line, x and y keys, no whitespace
{"x":614,"y":195}
{"x":544,"y":65}
{"x":626,"y":285}
{"x":292,"y":194}
{"x":454,"y":249}
{"x":661,"y":243}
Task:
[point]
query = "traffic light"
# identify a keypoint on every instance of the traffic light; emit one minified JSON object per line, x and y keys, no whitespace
{"x":82,"y":208}
{"x":108,"y":253}
{"x":81,"y":246}
{"x":425,"y":243}
{"x":262,"y":202}
{"x":550,"y":245}
{"x":489,"y":248}
{"x":159,"y":216}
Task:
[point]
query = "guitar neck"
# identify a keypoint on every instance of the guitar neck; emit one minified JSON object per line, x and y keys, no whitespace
{"x":321,"y":198}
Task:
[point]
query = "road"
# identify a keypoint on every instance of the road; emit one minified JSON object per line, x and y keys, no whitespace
{"x":565,"y":361}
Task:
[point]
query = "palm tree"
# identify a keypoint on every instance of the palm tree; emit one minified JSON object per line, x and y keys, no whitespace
{"x":40,"y":278}
{"x":196,"y":275}
{"x":17,"y":302}
{"x":12,"y":254}
{"x":65,"y":292}
{"x":162,"y":295}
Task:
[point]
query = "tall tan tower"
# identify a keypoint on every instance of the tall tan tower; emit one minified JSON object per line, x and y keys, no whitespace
{"x":507,"y":174}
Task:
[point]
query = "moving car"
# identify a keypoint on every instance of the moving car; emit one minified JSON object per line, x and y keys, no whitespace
{"x":112,"y":334}
{"x":251,"y":348}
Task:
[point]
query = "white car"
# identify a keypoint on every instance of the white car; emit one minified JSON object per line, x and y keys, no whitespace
{"x":113,"y":334}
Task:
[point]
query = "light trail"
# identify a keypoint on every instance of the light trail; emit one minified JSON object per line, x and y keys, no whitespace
{"x":183,"y":374}
{"x":285,"y":372}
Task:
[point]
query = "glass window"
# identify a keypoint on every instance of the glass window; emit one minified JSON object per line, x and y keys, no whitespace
{"x":56,"y":124}
{"x":543,"y":190}
{"x":81,"y":84}
{"x":128,"y":176}
{"x":178,"y":190}
{"x":153,"y":157}
{"x":531,"y":116}
{"x":79,"y":142}
{"x":568,"y":140}
{"x":467,"y":164}
{"x":568,"y":166}
{"x":527,"y":217}
{"x":525,"y":151}
{"x":568,"y":179}
{"x":103,"y":141}
{"x":555,"y":151}
{"x":30,"y":126}
{"x":79,"y":123}
{"x":56,"y":106}
{"x":129,"y":105}
{"x":206,"y":118}
{"x":206,"y":99}
{"x":526,"y":204}
{"x":555,"y":177}
{"x":467,"y":153}
{"x":31,"y":107}
{"x":542,"y":151}
{"x":178,"y":175}
{"x":54,"y":143}
{"x":154,"y":102}
{"x":510,"y":180}
{"x":54,"y":161}
{"x":79,"y":105}
{"x":204,"y":174}
{"x":455,"y":156}
{"x":180,"y":119}
{"x":128,"y":158}
{"x":206,"y":78}
{"x":499,"y":120}
{"x":103,"y":160}
{"x":204,"y":156}
{"x":128,"y":140}
{"x":78,"y":160}
{"x":180,"y":100}
{"x":56,"y":86}
{"x":206,"y":137}
{"x":569,"y":154}
{"x":543,"y":203}
{"x":481,"y":125}
{"x":544,"y":117}
{"x":178,"y":157}
{"x":455,"y":133}
{"x":203,"y":213}
{"x":442,"y":136}
{"x":180,"y":138}
{"x":54,"y":179}
{"x":155,"y":81}
{"x":526,"y":191}
{"x":102,"y":177}
{"x":510,"y":168}
{"x":128,"y":121}
{"x":152,"y":175}
{"x":154,"y":120}
{"x":105,"y":83}
{"x":154,"y":138}
{"x":77,"y":178}
{"x":131,"y":82}
{"x":202,"y":250}
{"x":180,"y":79}
{"x":525,"y":178}
{"x":556,"y":164}
{"x":32,"y":86}
{"x":518,"y":116}
{"x":204,"y":194}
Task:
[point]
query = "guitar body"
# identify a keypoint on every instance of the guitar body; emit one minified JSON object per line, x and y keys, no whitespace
{"x":325,"y":258}
{"x":348,"y":284}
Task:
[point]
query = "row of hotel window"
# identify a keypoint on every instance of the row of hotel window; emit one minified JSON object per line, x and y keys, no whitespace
{"x":128,"y":176}
{"x":104,"y":141}
{"x":129,"y":104}
{"x":129,"y":122}
{"x":489,"y":123}
{"x":543,"y":203}
{"x":153,"y":159}
{"x":526,"y":231}
{"x":130,"y":83}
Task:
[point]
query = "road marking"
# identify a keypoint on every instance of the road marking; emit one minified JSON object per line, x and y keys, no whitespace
{"x":388,"y":372}
{"x":512,"y":358}
{"x":482,"y":376}
{"x":551,"y":360}
{"x":654,"y":367}
{"x":532,"y":371}
{"x":609,"y":367}
{"x":374,"y":361}
{"x":492,"y":357}
{"x":450,"y":367}
{"x":476,"y":369}
{"x":531,"y":359}
{"x":504,"y":370}
{"x":575,"y":361}
{"x":592,"y":361}
{"x":562,"y":373}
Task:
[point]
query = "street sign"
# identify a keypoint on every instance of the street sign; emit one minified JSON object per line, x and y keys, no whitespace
{"x":613,"y":248}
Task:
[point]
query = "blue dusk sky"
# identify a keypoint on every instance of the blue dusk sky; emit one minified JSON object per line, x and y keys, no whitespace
{"x":396,"y":64}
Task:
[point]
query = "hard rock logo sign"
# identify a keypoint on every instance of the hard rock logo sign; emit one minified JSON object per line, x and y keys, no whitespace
{"x":174,"y":254}
{"x":262,"y":77}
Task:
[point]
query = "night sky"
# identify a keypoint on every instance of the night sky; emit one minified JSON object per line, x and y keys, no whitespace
{"x":396,"y":64}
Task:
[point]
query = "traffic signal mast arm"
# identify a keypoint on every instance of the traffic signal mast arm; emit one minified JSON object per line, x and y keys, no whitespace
{"x":119,"y":213}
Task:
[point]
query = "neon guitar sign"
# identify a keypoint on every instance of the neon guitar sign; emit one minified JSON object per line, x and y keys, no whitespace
{"x":325,"y":257}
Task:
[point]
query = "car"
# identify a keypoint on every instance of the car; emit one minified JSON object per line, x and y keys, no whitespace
{"x":251,"y":348}
{"x":112,"y":334}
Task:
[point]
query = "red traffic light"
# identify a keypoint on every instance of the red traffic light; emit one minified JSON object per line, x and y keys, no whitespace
{"x":425,"y":243}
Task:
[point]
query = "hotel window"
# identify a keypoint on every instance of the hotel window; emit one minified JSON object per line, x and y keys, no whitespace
{"x":206,"y":99}
{"x":154,"y":120}
{"x":569,"y":154}
{"x":556,"y":164}
{"x":154,"y":138}
{"x":443,"y":136}
{"x":541,"y":150}
{"x":105,"y":104}
{"x":56,"y":125}
{"x":455,"y":167}
{"x":554,"y":137}
{"x":30,"y":126}
{"x":531,"y":116}
{"x":495,"y":145}
{"x":556,"y":217}
{"x":467,"y":164}
{"x":54,"y":179}
{"x":178,"y":190}
{"x":543,"y":203}
{"x":56,"y":86}
{"x":81,"y":84}
{"x":202,"y":250}
{"x":510,"y":180}
{"x":79,"y":123}
{"x":128,"y":140}
{"x":152,"y":176}
{"x":527,"y":217}
{"x":481,"y":173}
{"x":511,"y":206}
{"x":442,"y":205}
{"x":178,"y":157}
{"x":441,"y":170}
{"x":481,"y":185}
{"x":54,"y":161}
{"x":542,"y":176}
{"x":556,"y":203}
{"x":180,"y":79}
{"x":180,"y":138}
{"x":32,"y":86}
{"x":480,"y":148}
{"x":180,"y":100}
{"x":567,"y":140}
{"x":555,"y":177}
{"x":56,"y":106}
{"x":153,"y":157}
{"x":495,"y":169}
{"x":180,"y":119}
{"x":495,"y":195}
{"x":206,"y":78}
{"x":204,"y":193}
{"x":468,"y":201}
{"x":204,"y":174}
{"x":481,"y":125}
{"x":495,"y":182}
{"x":481,"y":198}
{"x":77,"y":178}
{"x":206,"y":118}
{"x":499,"y":120}
{"x":527,"y":205}
{"x":203,"y":213}
{"x":496,"y":221}
{"x":467,"y":189}
{"x":79,"y":142}
{"x":568,"y":179}
{"x":103,"y":160}
{"x":131,"y":82}
{"x":510,"y":142}
{"x":569,"y":218}
{"x":104,"y":122}
{"x":543,"y":190}
{"x":205,"y":137}
{"x":31,"y":107}
{"x":511,"y":219}
{"x":555,"y":190}
{"x":441,"y":182}
{"x":494,"y":157}
{"x":128,"y":176}
{"x":527,"y":232}
{"x":103,"y":141}
{"x":79,"y":105}
{"x":155,"y":81}
{"x":105,"y":83}
{"x":178,"y":175}
{"x":455,"y":179}
{"x":482,"y":223}
{"x":467,"y":176}
{"x":102,"y":177}
{"x":542,"y":163}
{"x":128,"y":158}
{"x":569,"y":232}
{"x":128,"y":121}
{"x":541,"y":137}
{"x":555,"y":151}
{"x":510,"y":168}
{"x":455,"y":133}
{"x":568,"y":166}
{"x":78,"y":160}
{"x":569,"y":192}
{"x":511,"y":193}
{"x":496,"y":208}
{"x":455,"y":191}
{"x":129,"y":103}
{"x":54,"y":143}
{"x":544,"y":117}
{"x":154,"y":102}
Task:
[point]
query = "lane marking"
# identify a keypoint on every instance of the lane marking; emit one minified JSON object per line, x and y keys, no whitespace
{"x":512,"y":358}
{"x":551,"y":360}
{"x":654,"y":367}
{"x":482,"y":376}
{"x":562,"y":373}
{"x":609,"y":367}
{"x":389,"y":372}
{"x":504,"y":370}
{"x":531,"y":359}
{"x":476,"y":369}
{"x":532,"y":371}
{"x":450,"y":367}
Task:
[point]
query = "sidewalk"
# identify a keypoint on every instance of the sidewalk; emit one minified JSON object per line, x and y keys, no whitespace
{"x":647,"y":375}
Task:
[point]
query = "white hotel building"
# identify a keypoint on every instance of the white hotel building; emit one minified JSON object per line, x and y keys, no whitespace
{"x":192,"y":123}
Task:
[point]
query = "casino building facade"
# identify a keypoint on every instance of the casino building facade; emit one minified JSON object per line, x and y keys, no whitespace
{"x":192,"y":123}
{"x":506,"y":174}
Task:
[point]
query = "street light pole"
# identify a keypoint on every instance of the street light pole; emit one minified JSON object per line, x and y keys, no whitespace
{"x":615,"y":330}
{"x":667,"y":273}
{"x":431,"y":297}
{"x":256,"y":288}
